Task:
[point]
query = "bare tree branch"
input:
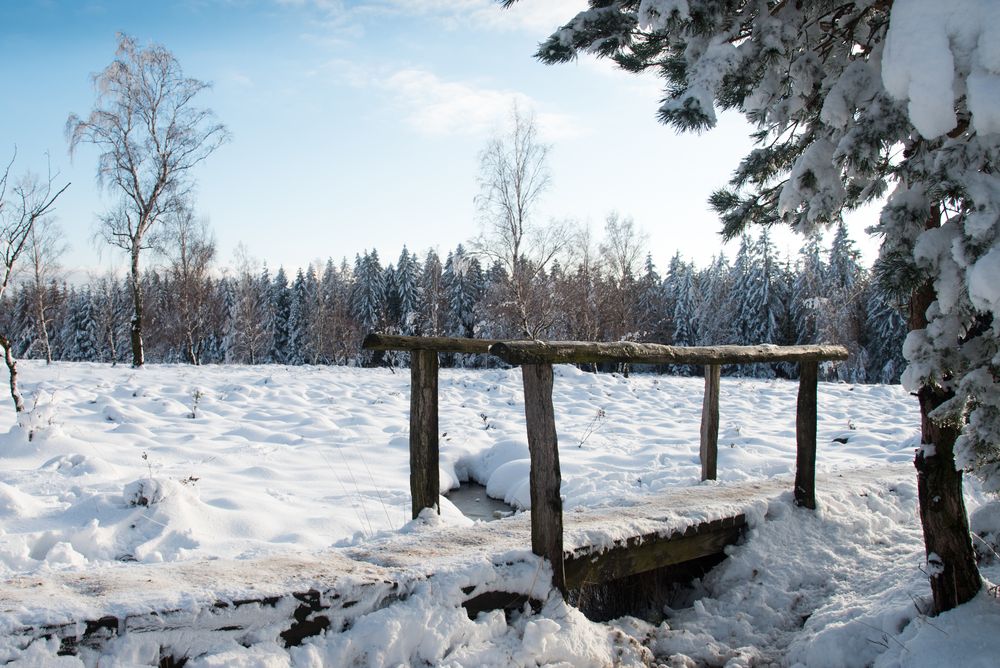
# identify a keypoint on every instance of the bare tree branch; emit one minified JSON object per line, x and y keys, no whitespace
{"x":151,"y":136}
{"x":513,"y":175}
{"x":30,"y":199}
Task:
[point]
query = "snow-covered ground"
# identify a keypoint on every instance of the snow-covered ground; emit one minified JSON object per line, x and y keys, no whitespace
{"x":174,"y":463}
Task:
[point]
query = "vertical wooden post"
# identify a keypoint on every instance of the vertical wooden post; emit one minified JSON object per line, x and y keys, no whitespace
{"x":545,"y":478}
{"x":805,"y":436}
{"x":710,"y":423}
{"x":425,"y":483}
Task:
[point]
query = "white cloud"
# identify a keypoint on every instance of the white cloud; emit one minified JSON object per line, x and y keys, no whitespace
{"x":434,"y":106}
{"x":540,"y":17}
{"x":241,"y":79}
{"x":645,"y":84}
{"x":535,"y":16}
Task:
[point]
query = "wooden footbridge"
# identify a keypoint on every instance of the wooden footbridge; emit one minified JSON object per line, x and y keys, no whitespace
{"x":536,"y":359}
{"x":296,"y":596}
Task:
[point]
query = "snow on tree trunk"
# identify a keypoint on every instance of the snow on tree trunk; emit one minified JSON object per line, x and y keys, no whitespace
{"x":8,"y":358}
{"x":951,"y":564}
{"x":135,"y":330}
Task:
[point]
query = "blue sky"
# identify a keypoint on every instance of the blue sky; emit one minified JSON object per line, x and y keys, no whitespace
{"x":357,"y":125}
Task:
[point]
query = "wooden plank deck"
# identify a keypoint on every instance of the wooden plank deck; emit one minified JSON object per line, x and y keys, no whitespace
{"x":296,"y":596}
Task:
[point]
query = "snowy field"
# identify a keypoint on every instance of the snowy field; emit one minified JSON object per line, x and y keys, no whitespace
{"x":174,"y":463}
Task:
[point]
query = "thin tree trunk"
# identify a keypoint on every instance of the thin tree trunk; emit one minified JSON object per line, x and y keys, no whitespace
{"x":138,"y":358}
{"x":8,"y":357}
{"x":43,"y":330}
{"x":950,"y":558}
{"x":191,"y":350}
{"x":112,"y":344}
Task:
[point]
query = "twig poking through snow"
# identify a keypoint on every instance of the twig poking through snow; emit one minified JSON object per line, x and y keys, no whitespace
{"x":596,"y":423}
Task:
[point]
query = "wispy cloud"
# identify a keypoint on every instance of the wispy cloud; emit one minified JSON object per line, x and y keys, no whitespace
{"x":434,"y":106}
{"x":538,"y":17}
{"x":241,"y":79}
{"x":535,"y":16}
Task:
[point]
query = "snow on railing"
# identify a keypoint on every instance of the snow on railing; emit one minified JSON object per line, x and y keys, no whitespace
{"x":536,"y":359}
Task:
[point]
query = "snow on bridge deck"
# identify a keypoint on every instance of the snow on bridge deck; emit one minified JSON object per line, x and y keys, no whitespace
{"x":186,"y":605}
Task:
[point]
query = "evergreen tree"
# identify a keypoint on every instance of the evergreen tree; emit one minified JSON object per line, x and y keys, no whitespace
{"x":281,"y":306}
{"x":19,"y":323}
{"x":80,"y":335}
{"x":671,"y":286}
{"x":747,"y":297}
{"x":829,"y":87}
{"x":885,"y":330}
{"x":716,"y":313}
{"x":368,"y":292}
{"x":112,"y":313}
{"x":652,"y":317}
{"x":298,"y":322}
{"x":759,"y":292}
{"x":844,"y":268}
{"x":327,"y":291}
{"x":433,"y":301}
{"x":845,"y":318}
{"x":807,"y":301}
{"x":463,"y":284}
{"x":493,"y":315}
{"x":250,"y":319}
{"x":685,"y":323}
{"x":405,"y":293}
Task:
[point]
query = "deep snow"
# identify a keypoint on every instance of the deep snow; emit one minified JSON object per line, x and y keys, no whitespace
{"x":174,"y":463}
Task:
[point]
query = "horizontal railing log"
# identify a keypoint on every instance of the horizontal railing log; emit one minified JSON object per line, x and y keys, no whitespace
{"x":536,"y":359}
{"x":586,"y":352}
{"x":438,"y":344}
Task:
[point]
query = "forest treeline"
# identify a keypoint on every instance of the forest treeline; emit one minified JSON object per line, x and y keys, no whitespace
{"x":321,"y":314}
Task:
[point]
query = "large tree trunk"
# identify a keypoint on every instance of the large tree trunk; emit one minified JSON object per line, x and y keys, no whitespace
{"x":950,"y":558}
{"x":8,"y":357}
{"x":138,"y":358}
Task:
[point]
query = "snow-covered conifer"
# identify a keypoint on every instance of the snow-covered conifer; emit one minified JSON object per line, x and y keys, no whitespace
{"x":79,"y":334}
{"x":651,"y":316}
{"x":716,"y":312}
{"x":405,"y":289}
{"x":685,"y":323}
{"x":849,"y":100}
{"x":462,"y":280}
{"x":885,"y":330}
{"x":806,"y":302}
{"x":281,"y":305}
{"x":368,"y":292}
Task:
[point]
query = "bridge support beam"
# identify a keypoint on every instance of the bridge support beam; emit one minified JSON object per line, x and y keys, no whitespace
{"x":425,"y":478}
{"x":710,"y":423}
{"x":545,"y":478}
{"x":805,"y":435}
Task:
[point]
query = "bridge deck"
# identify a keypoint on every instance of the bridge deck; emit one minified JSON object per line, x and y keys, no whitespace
{"x":302,"y":595}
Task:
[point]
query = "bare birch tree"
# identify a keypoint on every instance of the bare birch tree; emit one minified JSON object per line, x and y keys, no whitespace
{"x":45,"y":246}
{"x":151,"y":136}
{"x":28,"y":200}
{"x":513,"y":175}
{"x":622,"y":250}
{"x":190,"y":251}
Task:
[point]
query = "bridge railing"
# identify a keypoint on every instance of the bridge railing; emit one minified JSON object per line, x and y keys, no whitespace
{"x":536,"y":359}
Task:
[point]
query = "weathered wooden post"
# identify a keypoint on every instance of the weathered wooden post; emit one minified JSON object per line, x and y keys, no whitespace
{"x":545,"y":478}
{"x":710,"y":423}
{"x":805,"y":435}
{"x":425,"y":483}
{"x":425,"y":478}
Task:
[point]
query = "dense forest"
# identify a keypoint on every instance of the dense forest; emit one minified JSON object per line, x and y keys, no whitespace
{"x":253,"y":315}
